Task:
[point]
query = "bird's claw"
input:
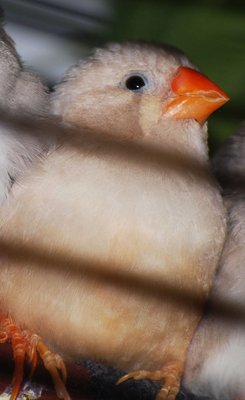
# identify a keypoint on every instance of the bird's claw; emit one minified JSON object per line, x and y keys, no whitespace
{"x":141,"y":374}
{"x":170,"y":375}
{"x":28,"y":345}
{"x":10,"y":331}
{"x":56,"y":367}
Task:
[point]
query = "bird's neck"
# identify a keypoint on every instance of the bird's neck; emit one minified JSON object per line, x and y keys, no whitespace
{"x":185,"y":139}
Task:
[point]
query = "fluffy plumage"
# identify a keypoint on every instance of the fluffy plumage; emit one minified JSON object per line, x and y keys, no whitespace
{"x":21,"y":93}
{"x":110,"y":244}
{"x":216,"y":359}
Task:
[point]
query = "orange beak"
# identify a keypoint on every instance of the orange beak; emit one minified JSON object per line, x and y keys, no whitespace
{"x":195,"y":96}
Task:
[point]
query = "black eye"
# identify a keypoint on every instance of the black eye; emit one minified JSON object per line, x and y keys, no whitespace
{"x":135,"y":82}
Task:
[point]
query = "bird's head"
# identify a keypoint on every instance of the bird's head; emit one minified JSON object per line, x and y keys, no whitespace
{"x":134,"y":90}
{"x":21,"y":90}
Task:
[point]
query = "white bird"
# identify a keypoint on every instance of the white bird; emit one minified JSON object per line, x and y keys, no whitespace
{"x":110,"y":244}
{"x":216,"y":359}
{"x":21,"y":93}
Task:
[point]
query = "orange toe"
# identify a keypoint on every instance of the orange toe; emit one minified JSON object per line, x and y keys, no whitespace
{"x":170,"y":375}
{"x":56,"y":367}
{"x":10,"y":331}
{"x":27,"y":345}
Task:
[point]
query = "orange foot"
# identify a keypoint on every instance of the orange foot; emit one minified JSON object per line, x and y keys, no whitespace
{"x":28,"y":345}
{"x":170,"y":375}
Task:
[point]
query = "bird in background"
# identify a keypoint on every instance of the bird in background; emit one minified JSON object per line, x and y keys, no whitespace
{"x":215,"y":365}
{"x":110,"y":243}
{"x":23,"y":98}
{"x":21,"y":93}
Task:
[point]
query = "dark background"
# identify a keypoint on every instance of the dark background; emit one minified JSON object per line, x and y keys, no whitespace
{"x":52,"y":34}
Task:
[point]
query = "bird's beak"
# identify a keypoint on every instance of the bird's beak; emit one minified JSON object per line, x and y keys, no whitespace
{"x":195,"y":96}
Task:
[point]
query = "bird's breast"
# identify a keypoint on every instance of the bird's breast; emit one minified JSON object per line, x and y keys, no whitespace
{"x":113,"y":252}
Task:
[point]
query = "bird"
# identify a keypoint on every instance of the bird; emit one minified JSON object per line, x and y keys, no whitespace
{"x":24,"y":105}
{"x":216,"y":358}
{"x":21,"y":93}
{"x":109,"y":244}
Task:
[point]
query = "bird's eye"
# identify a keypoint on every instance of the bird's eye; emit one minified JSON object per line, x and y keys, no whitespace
{"x":135,"y":82}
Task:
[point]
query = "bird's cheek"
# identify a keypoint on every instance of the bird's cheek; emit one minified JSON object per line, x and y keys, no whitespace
{"x":150,"y":110}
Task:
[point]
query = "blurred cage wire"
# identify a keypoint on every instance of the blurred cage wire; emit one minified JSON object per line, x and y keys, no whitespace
{"x":51,"y":35}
